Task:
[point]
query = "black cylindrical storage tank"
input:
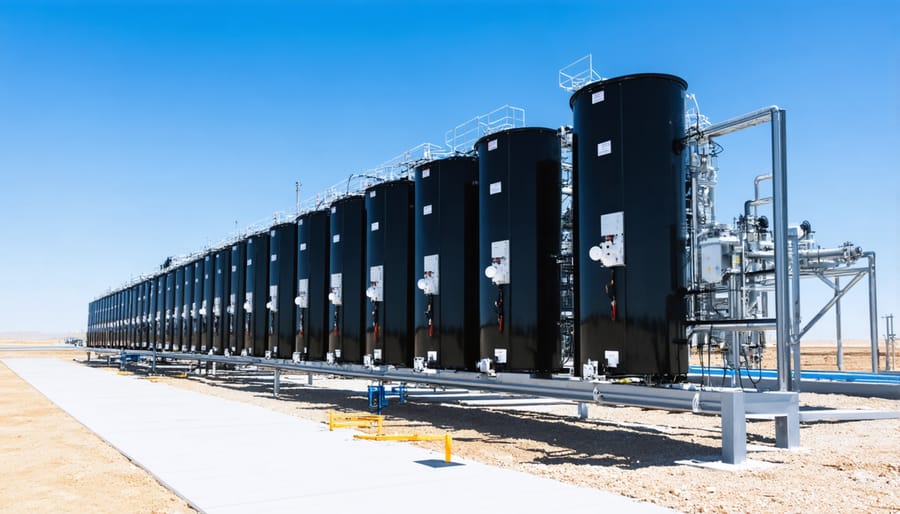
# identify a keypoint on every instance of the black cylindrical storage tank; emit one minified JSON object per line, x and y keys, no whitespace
{"x":187,"y":287}
{"x":117,"y":316}
{"x":280,"y":300}
{"x":234,"y":311}
{"x":89,"y":332}
{"x":255,"y":295}
{"x":178,"y":309}
{"x":98,"y":322}
{"x":125,"y":315}
{"x":197,"y":304}
{"x":519,"y":211}
{"x":116,"y":322}
{"x":132,"y":316}
{"x":151,"y":312}
{"x":169,"y":320}
{"x":160,"y":311}
{"x":220,"y":299}
{"x":347,"y":227}
{"x":113,"y":338}
{"x":311,"y":333}
{"x":389,"y":273}
{"x":146,"y":287}
{"x":446,"y":260}
{"x":206,"y":312}
{"x":629,"y":176}
{"x":107,"y":321}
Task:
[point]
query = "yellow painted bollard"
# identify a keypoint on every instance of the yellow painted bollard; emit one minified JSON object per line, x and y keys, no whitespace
{"x":448,"y":447}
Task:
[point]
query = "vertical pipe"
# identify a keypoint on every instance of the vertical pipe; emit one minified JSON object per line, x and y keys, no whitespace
{"x":795,"y":309}
{"x":779,"y":209}
{"x":837,"y":324}
{"x":873,"y":311}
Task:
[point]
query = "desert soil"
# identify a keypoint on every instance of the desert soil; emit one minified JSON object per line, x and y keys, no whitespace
{"x":49,"y":462}
{"x":842,"y":467}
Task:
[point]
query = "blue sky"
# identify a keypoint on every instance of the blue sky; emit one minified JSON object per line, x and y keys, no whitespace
{"x":130,"y":131}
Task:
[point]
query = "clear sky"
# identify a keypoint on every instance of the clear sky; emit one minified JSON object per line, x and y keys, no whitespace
{"x":130,"y":131}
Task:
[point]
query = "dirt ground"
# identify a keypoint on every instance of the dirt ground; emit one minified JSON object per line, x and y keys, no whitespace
{"x":49,"y":462}
{"x":842,"y":467}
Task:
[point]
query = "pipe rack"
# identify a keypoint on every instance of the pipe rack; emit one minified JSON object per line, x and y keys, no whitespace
{"x":733,"y":405}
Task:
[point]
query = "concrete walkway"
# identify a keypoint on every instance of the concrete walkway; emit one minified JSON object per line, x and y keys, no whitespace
{"x":228,"y":457}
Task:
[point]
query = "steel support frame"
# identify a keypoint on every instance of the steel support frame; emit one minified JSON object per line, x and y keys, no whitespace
{"x":787,"y":428}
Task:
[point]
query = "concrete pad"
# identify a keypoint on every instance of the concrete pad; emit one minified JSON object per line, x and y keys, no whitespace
{"x":747,"y":465}
{"x":228,"y":457}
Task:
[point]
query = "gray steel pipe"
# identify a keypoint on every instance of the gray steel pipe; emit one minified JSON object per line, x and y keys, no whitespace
{"x":780,"y":225}
{"x":873,"y":310}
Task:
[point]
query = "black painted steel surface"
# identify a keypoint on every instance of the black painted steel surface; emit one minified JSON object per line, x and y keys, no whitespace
{"x":206,"y":311}
{"x":188,"y":305}
{"x":234,"y":311}
{"x":199,"y":271}
{"x":255,"y":295}
{"x":446,"y":235}
{"x":627,"y":160}
{"x":280,"y":301}
{"x":347,"y":279}
{"x":220,"y":299}
{"x":519,"y":211}
{"x":160,"y":311}
{"x":178,"y":310}
{"x":389,"y":272}
{"x":168,"y":320}
{"x":311,"y":300}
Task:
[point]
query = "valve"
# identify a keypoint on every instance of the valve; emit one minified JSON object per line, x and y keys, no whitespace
{"x":300,"y":320}
{"x":498,"y":272}
{"x":611,"y":293}
{"x":428,"y":284}
{"x":335,"y":323}
{"x":498,"y":307}
{"x":375,"y":320}
{"x":429,"y":315}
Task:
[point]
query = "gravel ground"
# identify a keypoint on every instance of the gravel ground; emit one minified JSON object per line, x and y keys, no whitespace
{"x":842,"y":466}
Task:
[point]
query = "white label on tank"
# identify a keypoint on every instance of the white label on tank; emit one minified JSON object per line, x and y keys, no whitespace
{"x":233,"y":269}
{"x":333,"y":210}
{"x":604,"y":148}
{"x":300,"y":222}
{"x":376,"y":354}
{"x":496,"y":187}
{"x":598,"y":97}
{"x":492,"y":145}
{"x":272,"y":234}
{"x":249,"y":262}
{"x":500,"y":355}
{"x":426,"y":210}
{"x":371,"y":194}
{"x":426,"y":173}
{"x":375,"y":226}
{"x":302,"y":247}
{"x":612,"y":224}
{"x":274,"y":257}
{"x":336,"y":238}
